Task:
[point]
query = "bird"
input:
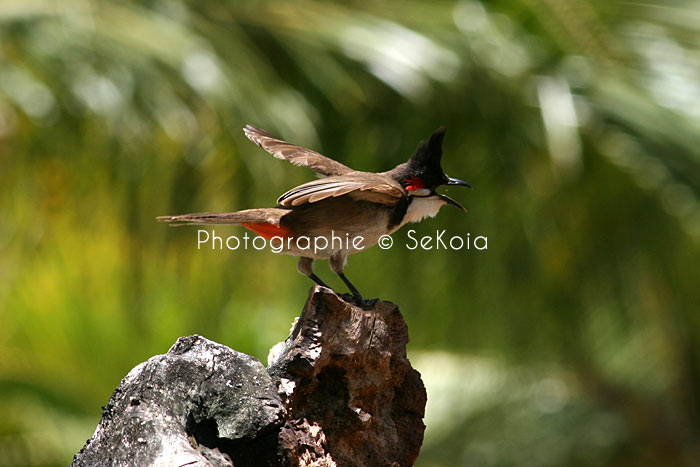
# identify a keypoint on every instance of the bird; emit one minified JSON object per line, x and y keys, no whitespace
{"x":343,"y":203}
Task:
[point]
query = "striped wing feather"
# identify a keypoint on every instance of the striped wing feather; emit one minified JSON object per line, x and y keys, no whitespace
{"x":297,"y":155}
{"x":359,"y":185}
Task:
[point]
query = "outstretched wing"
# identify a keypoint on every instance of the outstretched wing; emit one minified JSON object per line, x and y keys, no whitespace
{"x":295,"y":154}
{"x":363,"y":186}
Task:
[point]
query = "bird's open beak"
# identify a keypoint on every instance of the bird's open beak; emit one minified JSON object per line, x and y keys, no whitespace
{"x":449,"y":200}
{"x":454,"y":181}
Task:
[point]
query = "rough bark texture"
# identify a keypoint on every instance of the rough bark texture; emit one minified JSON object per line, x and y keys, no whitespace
{"x":339,"y":391}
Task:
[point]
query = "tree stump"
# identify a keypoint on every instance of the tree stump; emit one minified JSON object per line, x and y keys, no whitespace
{"x":338,"y":392}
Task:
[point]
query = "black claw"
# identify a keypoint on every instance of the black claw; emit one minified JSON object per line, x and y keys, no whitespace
{"x":364,"y":303}
{"x":356,"y":296}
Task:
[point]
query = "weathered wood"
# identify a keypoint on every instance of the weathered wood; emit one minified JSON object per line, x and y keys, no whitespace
{"x":339,"y":391}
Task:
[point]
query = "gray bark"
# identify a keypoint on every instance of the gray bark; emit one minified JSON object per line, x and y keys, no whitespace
{"x":339,"y":391}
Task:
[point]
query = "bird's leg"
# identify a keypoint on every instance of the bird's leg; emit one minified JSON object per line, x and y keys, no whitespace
{"x":318,"y":280}
{"x":306,"y":267}
{"x":337,"y":264}
{"x":356,"y":293}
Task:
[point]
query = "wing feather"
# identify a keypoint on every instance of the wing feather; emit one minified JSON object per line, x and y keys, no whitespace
{"x":363,"y":186}
{"x":297,"y":155}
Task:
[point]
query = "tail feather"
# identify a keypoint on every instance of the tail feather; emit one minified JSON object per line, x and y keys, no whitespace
{"x":249,"y":216}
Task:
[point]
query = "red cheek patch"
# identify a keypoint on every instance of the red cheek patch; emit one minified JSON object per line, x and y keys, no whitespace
{"x":267,"y":231}
{"x":414,"y":183}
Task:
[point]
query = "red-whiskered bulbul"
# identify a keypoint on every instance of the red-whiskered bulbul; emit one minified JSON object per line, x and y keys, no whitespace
{"x":345,"y":204}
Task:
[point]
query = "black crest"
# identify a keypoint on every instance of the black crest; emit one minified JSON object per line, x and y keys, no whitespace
{"x":426,"y":160}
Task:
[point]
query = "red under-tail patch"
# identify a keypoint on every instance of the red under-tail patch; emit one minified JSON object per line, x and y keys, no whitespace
{"x":267,"y":231}
{"x":414,"y":183}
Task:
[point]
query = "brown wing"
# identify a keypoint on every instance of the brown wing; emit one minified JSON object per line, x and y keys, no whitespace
{"x":358,"y":185}
{"x":295,"y":154}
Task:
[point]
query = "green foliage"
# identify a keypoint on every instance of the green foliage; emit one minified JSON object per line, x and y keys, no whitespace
{"x":576,"y":123}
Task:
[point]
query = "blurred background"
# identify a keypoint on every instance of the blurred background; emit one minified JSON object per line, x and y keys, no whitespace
{"x":573,"y":340}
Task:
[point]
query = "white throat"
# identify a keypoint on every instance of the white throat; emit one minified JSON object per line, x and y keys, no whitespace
{"x":422,"y":207}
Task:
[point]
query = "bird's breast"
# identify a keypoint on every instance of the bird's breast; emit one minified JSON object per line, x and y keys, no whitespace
{"x":420,"y":208}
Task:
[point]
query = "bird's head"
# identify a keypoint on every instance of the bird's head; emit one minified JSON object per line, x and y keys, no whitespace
{"x":423,"y":174}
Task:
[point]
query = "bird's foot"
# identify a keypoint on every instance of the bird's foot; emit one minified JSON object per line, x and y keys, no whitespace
{"x":364,"y":303}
